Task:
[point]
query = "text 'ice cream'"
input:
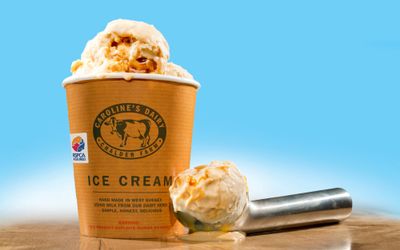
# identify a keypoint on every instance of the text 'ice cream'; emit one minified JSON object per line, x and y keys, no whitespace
{"x":214,"y":193}
{"x":127,"y":46}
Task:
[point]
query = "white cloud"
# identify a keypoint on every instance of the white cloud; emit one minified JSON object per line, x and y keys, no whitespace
{"x":45,"y":195}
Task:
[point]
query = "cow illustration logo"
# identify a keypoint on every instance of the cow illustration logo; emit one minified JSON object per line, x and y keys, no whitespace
{"x":78,"y":144}
{"x":129,"y":131}
{"x":130,"y":128}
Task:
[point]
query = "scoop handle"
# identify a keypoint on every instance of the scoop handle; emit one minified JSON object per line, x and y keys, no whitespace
{"x":319,"y":207}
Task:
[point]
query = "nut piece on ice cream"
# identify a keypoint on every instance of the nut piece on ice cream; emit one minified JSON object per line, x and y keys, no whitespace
{"x":124,"y":46}
{"x":214,"y":193}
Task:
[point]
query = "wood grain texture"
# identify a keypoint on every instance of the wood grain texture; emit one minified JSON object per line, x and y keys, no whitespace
{"x":357,"y":232}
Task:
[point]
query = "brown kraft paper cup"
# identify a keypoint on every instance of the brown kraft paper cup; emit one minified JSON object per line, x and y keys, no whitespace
{"x":129,"y":139}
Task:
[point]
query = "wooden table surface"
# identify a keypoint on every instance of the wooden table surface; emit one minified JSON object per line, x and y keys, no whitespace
{"x":357,"y":232}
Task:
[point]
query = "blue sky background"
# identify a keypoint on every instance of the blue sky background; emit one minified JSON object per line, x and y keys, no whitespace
{"x":302,"y":95}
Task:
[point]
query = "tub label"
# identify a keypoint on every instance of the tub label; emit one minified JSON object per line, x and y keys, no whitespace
{"x":129,"y":131}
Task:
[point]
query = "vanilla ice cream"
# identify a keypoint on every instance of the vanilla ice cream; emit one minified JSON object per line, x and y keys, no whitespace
{"x":131,"y":120}
{"x":175,"y":70}
{"x":214,"y":193}
{"x":127,"y":46}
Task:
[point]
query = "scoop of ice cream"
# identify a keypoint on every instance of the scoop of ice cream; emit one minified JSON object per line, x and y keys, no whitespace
{"x":176,"y":70}
{"x":124,"y":46}
{"x":214,"y":193}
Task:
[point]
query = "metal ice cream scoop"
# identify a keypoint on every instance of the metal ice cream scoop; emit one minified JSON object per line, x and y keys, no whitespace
{"x":319,"y":207}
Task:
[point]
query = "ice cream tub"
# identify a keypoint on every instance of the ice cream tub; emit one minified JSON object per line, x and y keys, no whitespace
{"x":131,"y":134}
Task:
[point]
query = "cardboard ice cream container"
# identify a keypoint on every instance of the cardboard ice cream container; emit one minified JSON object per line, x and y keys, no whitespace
{"x":131,"y":135}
